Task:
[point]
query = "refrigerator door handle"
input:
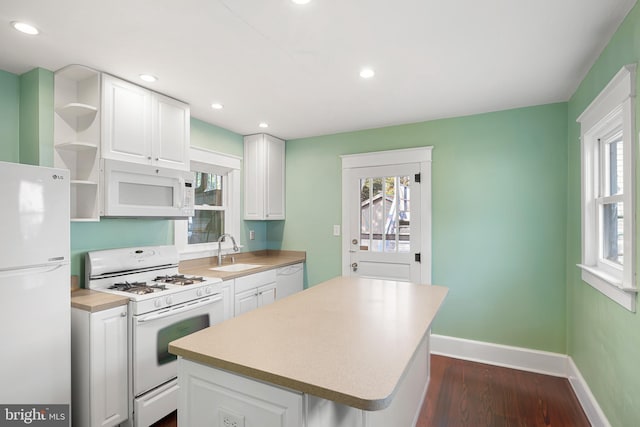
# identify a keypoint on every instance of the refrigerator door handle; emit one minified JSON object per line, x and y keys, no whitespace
{"x":34,"y":269}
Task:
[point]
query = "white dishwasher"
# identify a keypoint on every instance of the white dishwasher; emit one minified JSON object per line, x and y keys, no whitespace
{"x":289,"y":280}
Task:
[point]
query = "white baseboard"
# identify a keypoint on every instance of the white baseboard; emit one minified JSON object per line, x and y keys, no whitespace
{"x":586,"y":398}
{"x":542,"y":362}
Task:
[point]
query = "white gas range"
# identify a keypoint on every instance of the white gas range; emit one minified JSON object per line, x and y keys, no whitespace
{"x":164,"y":305}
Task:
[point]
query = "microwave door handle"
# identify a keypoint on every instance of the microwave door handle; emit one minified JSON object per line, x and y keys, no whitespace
{"x":177,"y":201}
{"x":179,"y":310}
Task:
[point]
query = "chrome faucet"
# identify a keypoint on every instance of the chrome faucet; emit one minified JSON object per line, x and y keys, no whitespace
{"x":220,"y":239}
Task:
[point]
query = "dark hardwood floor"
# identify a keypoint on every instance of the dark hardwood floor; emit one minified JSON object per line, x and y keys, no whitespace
{"x":463,"y":393}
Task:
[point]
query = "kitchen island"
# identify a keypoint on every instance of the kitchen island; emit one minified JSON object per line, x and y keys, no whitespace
{"x":347,"y":352}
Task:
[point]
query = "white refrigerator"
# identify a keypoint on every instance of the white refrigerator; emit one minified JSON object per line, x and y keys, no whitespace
{"x":35,"y":336}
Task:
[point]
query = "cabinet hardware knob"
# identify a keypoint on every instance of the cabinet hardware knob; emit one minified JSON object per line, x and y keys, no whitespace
{"x":123,"y":314}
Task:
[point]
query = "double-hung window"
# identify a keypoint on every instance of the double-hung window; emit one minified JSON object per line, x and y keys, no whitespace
{"x":608,"y":189}
{"x":217,"y":205}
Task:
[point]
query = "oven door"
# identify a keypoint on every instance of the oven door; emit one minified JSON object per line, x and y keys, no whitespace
{"x":153,"y":365}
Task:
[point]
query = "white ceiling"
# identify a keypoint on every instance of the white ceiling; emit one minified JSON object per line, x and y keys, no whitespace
{"x":297,"y":67}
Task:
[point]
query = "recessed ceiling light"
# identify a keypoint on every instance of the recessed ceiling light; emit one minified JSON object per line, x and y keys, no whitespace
{"x":148,"y":77}
{"x":367,"y":73}
{"x":264,"y":125}
{"x":25,"y":28}
{"x":300,"y":1}
{"x":217,"y":106}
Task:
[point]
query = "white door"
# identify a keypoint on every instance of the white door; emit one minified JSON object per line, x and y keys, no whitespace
{"x":386,"y":215}
{"x":384,"y":222}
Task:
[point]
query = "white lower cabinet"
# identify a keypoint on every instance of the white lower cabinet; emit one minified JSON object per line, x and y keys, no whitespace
{"x":99,"y":367}
{"x":255,"y":290}
{"x":215,"y":398}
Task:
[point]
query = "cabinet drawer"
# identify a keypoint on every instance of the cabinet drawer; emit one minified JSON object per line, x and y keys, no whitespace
{"x":255,"y":280}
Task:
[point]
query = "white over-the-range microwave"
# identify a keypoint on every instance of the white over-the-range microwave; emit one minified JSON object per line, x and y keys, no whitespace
{"x":137,"y":190}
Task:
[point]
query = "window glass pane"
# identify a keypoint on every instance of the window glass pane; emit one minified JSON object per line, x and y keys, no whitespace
{"x":208,"y":189}
{"x":613,"y":165}
{"x":612,"y":232}
{"x":205,"y":226}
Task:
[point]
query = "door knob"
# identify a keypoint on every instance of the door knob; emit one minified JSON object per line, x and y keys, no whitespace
{"x":354,"y":241}
{"x":354,"y":266}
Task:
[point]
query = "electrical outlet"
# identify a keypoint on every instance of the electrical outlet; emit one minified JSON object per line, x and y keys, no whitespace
{"x":336,"y":230}
{"x":230,"y":419}
{"x":252,"y":235}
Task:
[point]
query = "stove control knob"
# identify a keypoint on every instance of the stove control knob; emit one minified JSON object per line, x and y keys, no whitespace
{"x":168,"y":300}
{"x":199,"y":292}
{"x":207,"y":289}
{"x":157,"y":302}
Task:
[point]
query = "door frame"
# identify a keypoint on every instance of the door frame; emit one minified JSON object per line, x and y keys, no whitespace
{"x":421,"y":155}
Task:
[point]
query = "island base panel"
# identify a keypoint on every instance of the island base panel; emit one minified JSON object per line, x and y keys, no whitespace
{"x":209,"y":394}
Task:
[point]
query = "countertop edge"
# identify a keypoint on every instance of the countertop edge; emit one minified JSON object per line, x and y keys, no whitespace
{"x":370,"y":404}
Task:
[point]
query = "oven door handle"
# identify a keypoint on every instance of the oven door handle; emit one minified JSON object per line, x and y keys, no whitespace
{"x":180,"y":309}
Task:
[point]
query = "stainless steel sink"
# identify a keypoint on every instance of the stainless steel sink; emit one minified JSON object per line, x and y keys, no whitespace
{"x":235,"y":267}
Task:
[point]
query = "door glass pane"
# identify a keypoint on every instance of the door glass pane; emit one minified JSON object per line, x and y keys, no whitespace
{"x":365,"y":214}
{"x":205,"y":226}
{"x":612,"y":232}
{"x":385,"y":214}
{"x":404,"y":211}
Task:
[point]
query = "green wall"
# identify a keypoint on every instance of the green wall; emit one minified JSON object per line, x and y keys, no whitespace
{"x":36,"y":117}
{"x":9,"y":117}
{"x":499,"y":209}
{"x":603,"y":338}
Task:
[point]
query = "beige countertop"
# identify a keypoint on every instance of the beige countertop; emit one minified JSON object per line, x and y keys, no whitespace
{"x":92,"y":301}
{"x":268,"y":260}
{"x":349,"y":340}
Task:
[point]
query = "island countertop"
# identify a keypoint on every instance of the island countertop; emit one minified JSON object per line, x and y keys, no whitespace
{"x":349,"y":340}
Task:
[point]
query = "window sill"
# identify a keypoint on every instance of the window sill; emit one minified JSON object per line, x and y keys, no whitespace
{"x":191,"y":253}
{"x":610,"y":286}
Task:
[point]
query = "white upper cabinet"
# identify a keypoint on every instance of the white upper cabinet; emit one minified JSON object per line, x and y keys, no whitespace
{"x":141,"y":126}
{"x":264,"y":177}
{"x":171,"y":130}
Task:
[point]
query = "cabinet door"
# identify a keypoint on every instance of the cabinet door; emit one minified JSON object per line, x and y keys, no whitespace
{"x":108,"y":342}
{"x":266,"y":294}
{"x":246,"y":301}
{"x":253,"y":177}
{"x":126,"y":121}
{"x":274,"y":178}
{"x":170,"y":134}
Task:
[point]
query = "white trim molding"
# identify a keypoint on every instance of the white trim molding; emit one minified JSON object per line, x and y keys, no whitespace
{"x":612,"y":111}
{"x":524,"y":359}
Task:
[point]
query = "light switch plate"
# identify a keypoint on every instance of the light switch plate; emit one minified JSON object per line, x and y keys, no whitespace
{"x":336,"y":230}
{"x":252,"y":235}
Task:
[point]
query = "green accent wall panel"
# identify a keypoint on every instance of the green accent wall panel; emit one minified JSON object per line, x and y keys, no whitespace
{"x":36,"y":117}
{"x":603,"y":338}
{"x":9,"y":117}
{"x":499,"y":211}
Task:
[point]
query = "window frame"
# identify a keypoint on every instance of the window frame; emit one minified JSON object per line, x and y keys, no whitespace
{"x":613,"y":110}
{"x":228,"y":166}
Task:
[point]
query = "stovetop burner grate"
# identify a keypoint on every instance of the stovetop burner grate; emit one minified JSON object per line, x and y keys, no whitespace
{"x":178,"y":279}
{"x":138,"y":288}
